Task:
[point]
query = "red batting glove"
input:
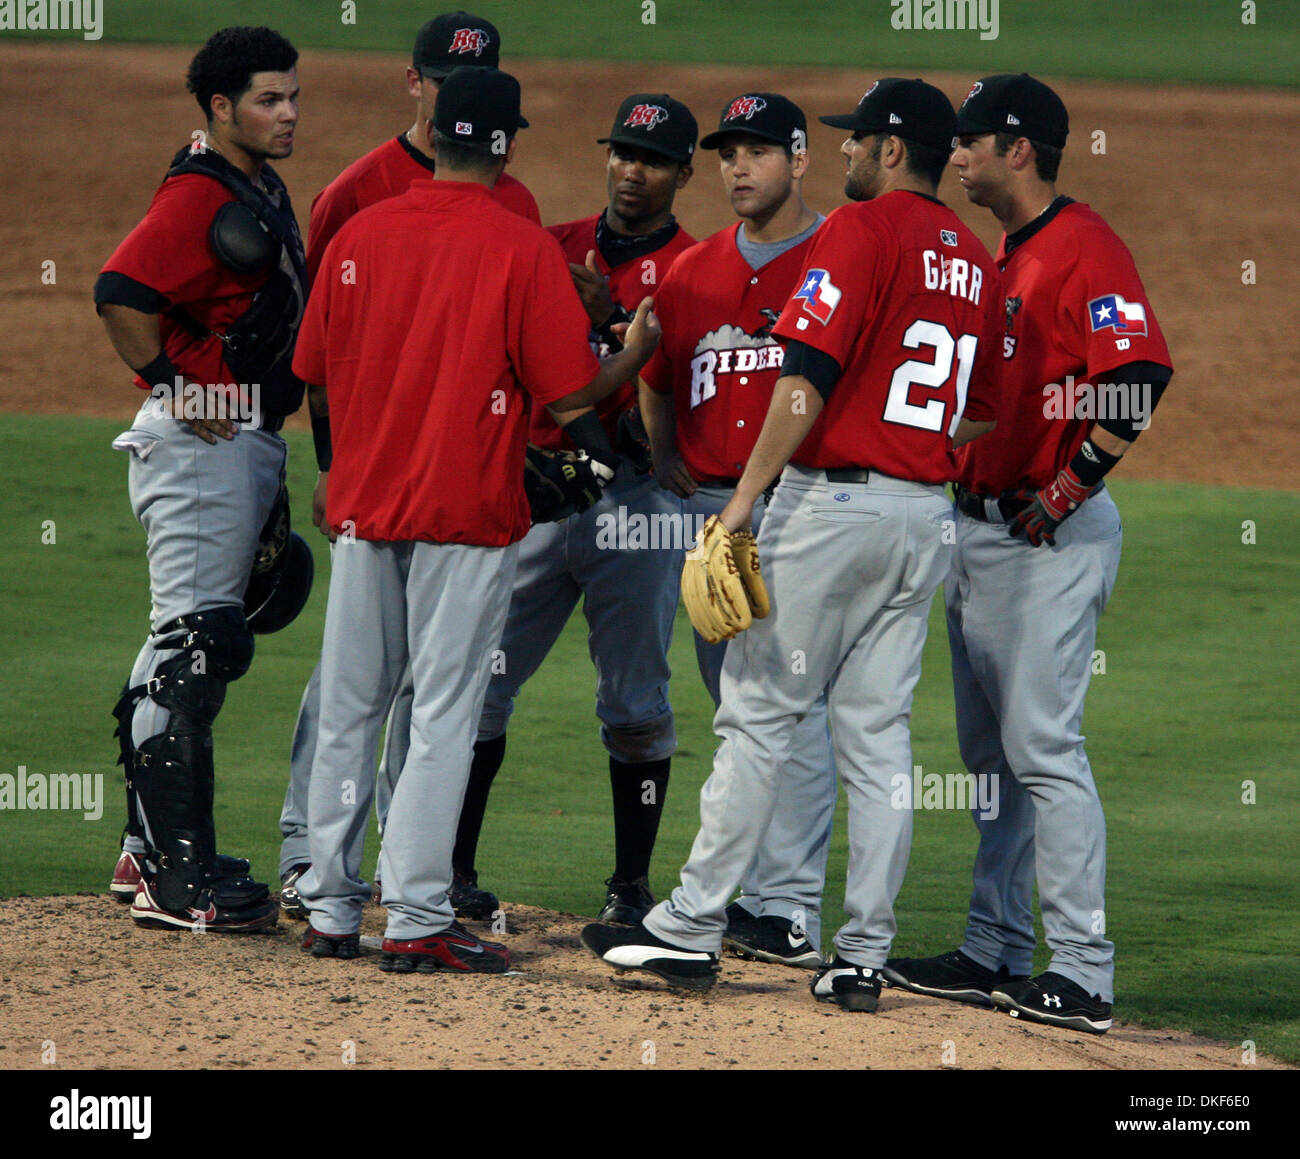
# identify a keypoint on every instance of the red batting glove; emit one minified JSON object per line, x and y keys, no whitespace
{"x":1051,"y":507}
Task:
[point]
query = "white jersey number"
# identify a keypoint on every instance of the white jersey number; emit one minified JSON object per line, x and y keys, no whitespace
{"x":913,"y":372}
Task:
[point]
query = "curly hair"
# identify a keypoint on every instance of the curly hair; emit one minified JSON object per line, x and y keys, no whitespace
{"x":227,"y":62}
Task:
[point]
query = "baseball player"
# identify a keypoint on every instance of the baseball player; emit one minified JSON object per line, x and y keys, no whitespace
{"x":423,"y":569}
{"x":703,"y":396}
{"x":452,"y":40}
{"x":208,"y":289}
{"x":884,"y":369}
{"x":628,"y":591}
{"x":1038,"y":547}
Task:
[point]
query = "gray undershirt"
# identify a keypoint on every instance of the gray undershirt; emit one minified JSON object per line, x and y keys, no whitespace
{"x":759,"y":253}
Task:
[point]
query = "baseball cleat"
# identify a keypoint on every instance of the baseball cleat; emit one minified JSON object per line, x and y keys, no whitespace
{"x":470,"y":902}
{"x":454,"y":948}
{"x":772,"y":939}
{"x":953,"y":975}
{"x":849,"y":986}
{"x":638,"y":949}
{"x":627,"y":902}
{"x":1054,"y":999}
{"x":291,"y":904}
{"x":127,"y":873}
{"x":331,"y":945}
{"x":207,"y":916}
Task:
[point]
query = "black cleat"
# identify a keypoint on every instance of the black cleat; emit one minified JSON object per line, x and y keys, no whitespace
{"x":627,"y":902}
{"x":952,"y":975}
{"x":470,"y":902}
{"x":331,"y":945}
{"x":772,"y":939}
{"x":638,"y":949}
{"x":1054,"y":999}
{"x":850,"y":987}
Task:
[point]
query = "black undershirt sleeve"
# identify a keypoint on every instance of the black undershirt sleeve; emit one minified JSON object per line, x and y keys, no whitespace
{"x":1142,"y":384}
{"x":815,"y":365}
{"x":119,"y":290}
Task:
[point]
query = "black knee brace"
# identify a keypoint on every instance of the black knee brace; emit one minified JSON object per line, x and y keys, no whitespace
{"x":170,"y":775}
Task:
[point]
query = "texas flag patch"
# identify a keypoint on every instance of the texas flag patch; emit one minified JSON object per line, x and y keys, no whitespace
{"x":1111,"y":312}
{"x":819,"y":295}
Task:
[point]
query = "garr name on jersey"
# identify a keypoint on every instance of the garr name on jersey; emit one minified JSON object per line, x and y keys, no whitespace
{"x":956,"y":275}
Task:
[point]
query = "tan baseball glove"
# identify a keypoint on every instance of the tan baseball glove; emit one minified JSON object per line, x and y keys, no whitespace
{"x":722,"y":585}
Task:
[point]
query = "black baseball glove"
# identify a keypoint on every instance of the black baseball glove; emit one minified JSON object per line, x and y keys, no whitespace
{"x":562,"y":483}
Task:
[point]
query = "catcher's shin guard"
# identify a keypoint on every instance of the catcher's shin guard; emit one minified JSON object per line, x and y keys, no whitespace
{"x":172,"y":772}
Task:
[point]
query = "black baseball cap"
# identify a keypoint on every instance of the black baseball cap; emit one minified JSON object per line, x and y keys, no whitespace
{"x":767,"y":115}
{"x":656,"y":122}
{"x":1014,"y":103}
{"x":455,"y":40}
{"x":910,"y":109}
{"x":474,"y":104}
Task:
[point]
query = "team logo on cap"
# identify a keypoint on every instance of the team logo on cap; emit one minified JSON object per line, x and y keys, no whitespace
{"x":819,"y":295}
{"x":975,"y":90}
{"x":745,"y":107}
{"x":465,"y":40}
{"x":646,"y":116}
{"x":1111,"y":312}
{"x":464,"y":128}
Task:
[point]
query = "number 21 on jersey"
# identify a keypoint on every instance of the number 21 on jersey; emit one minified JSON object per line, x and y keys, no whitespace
{"x":929,"y":415}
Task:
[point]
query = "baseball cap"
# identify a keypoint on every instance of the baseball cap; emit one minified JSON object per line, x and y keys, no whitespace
{"x":1014,"y":103}
{"x":910,"y":109}
{"x":767,"y":115}
{"x":455,"y":40}
{"x":656,"y":122}
{"x":474,"y":104}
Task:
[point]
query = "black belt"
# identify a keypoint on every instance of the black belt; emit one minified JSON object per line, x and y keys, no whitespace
{"x":848,"y":475}
{"x":731,"y":484}
{"x":971,"y":503}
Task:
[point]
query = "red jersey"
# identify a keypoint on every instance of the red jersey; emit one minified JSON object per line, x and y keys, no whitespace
{"x":629,"y":282}
{"x":382,"y":173}
{"x":169,"y":252}
{"x":456,"y":307}
{"x":905,"y":298}
{"x":718,"y":358}
{"x":1073,"y":306}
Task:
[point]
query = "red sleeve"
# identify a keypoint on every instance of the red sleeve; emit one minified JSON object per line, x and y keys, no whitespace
{"x":548,"y":342}
{"x":168,"y":251}
{"x":333,"y":206}
{"x":833,"y":300}
{"x":658,"y":372}
{"x":514,"y":195}
{"x":309,"y":354}
{"x":984,"y":391}
{"x":1109,"y":317}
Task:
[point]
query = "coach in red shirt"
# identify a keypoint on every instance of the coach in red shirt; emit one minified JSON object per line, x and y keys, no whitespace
{"x":447,"y":314}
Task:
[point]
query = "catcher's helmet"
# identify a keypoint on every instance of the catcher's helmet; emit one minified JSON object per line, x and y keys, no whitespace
{"x":273,"y":600}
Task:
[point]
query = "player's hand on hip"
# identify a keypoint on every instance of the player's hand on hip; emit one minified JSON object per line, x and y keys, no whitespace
{"x":214,"y":423}
{"x":593,"y":289}
{"x":1048,"y":509}
{"x":318,"y":506}
{"x":642,"y":334}
{"x":672,"y":475}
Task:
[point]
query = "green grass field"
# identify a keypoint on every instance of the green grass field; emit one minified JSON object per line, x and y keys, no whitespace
{"x":1197,"y":697}
{"x":1196,"y":41}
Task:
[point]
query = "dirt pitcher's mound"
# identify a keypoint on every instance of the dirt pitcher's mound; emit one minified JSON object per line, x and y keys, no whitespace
{"x":82,"y":987}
